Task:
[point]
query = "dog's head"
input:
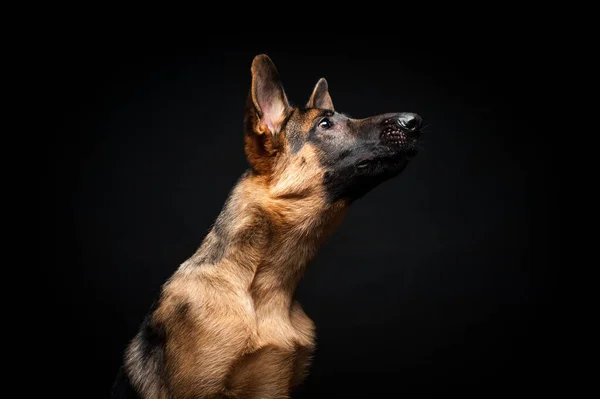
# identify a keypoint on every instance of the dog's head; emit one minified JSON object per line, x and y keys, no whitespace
{"x":303,"y":150}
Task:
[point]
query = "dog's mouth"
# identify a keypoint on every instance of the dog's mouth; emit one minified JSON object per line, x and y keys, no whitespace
{"x":388,"y":160}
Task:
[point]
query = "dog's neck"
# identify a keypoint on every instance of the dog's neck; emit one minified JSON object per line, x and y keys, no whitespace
{"x":262,"y":241}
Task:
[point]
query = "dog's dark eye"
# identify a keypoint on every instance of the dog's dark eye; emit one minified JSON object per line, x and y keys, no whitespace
{"x":325,"y":123}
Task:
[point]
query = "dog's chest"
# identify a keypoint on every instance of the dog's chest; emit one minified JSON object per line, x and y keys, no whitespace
{"x":280,"y":351}
{"x":277,"y":360}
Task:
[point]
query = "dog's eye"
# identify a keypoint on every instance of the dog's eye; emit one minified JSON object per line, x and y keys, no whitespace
{"x":325,"y":123}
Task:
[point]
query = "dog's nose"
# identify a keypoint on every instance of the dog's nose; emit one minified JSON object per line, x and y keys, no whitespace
{"x":410,"y":122}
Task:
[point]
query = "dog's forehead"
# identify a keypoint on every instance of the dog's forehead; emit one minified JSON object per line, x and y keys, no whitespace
{"x":303,"y":119}
{"x":299,"y":125}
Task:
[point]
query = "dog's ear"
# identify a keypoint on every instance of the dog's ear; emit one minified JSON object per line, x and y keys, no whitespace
{"x":267,"y":108}
{"x":320,"y":97}
{"x":268,"y":96}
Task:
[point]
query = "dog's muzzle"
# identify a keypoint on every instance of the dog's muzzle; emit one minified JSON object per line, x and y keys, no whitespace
{"x":401,"y":130}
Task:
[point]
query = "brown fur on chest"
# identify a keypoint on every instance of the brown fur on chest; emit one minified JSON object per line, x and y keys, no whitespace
{"x":217,"y":344}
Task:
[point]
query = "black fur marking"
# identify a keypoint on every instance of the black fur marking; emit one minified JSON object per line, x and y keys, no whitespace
{"x":152,"y":341}
{"x":295,"y":141}
{"x":212,"y":252}
{"x":152,"y":338}
{"x":181,"y":309}
{"x":215,"y":243}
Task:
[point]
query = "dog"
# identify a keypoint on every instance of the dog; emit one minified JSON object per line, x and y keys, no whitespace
{"x":226,"y":324}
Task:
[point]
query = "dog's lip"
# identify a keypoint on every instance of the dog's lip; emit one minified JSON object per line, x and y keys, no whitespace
{"x":399,"y":154}
{"x":364,"y":163}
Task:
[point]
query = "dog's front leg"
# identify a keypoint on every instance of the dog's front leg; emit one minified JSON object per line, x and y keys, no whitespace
{"x":263,"y":374}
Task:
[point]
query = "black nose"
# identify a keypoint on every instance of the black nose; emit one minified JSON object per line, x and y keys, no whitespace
{"x":410,"y":122}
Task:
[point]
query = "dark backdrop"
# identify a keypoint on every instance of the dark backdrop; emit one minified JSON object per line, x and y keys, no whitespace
{"x":439,"y":281}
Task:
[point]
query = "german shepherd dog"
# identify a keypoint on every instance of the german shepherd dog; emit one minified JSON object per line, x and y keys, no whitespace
{"x":226,"y":324}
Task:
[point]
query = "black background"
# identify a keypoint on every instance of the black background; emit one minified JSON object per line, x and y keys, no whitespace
{"x":439,"y":281}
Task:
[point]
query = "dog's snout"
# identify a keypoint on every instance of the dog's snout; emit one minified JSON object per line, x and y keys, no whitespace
{"x":401,"y":129}
{"x":410,"y":122}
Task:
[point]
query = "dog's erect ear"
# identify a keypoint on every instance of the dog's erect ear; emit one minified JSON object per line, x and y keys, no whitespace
{"x":268,"y":96}
{"x":320,"y":97}
{"x":267,"y":108}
